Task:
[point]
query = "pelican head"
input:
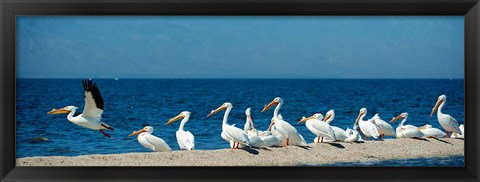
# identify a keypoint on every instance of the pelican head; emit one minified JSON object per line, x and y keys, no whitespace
{"x":401,"y":116}
{"x":64,"y":110}
{"x":441,"y":99}
{"x":318,"y":116}
{"x":363,"y":112}
{"x":178,"y":117}
{"x":329,"y":116}
{"x":275,"y":101}
{"x":147,"y":129}
{"x":247,"y":111}
{"x":221,"y":108}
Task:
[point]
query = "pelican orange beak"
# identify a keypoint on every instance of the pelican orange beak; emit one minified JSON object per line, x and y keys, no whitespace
{"x":137,"y":132}
{"x":440,"y":101}
{"x":304,"y":119}
{"x":358,"y":118}
{"x":223,"y":107}
{"x":328,"y":116}
{"x":59,"y":111}
{"x":396,"y":118}
{"x":274,"y":102}
{"x":176,"y":118}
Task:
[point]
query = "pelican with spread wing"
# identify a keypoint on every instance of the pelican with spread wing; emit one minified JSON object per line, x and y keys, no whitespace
{"x":92,"y":112}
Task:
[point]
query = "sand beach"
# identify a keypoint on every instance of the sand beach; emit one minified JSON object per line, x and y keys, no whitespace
{"x":317,"y":154}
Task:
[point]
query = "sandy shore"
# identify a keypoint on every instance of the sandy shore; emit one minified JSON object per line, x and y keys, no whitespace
{"x":312,"y":154}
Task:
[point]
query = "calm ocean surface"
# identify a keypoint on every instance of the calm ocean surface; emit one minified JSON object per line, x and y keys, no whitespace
{"x":132,"y":103}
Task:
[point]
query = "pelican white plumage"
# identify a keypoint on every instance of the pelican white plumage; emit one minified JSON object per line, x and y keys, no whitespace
{"x":406,"y":131}
{"x":448,"y":123}
{"x":456,"y":135}
{"x":185,"y":139}
{"x":249,"y":128}
{"x":92,"y":112}
{"x":340,"y":134}
{"x":368,"y":128}
{"x":146,"y":139}
{"x":272,"y":137}
{"x":283,"y":127}
{"x":230,"y":132}
{"x":319,"y":128}
{"x":252,"y":133}
{"x":431,"y":132}
{"x":352,"y":136}
{"x":383,"y":127}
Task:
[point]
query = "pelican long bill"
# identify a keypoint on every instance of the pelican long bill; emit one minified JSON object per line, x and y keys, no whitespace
{"x":137,"y":132}
{"x":176,"y":118}
{"x":217,"y":110}
{"x":436,"y":106}
{"x":269,"y":105}
{"x":59,"y":111}
{"x":396,"y":118}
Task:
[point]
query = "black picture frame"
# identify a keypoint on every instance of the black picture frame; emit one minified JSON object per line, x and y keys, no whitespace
{"x":11,"y":8}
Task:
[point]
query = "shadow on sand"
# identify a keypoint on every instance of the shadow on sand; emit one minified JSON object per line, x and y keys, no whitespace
{"x":443,"y":141}
{"x":250,"y":150}
{"x":340,"y":146}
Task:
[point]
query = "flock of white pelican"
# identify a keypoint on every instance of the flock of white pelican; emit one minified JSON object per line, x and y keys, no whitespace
{"x":280,"y":132}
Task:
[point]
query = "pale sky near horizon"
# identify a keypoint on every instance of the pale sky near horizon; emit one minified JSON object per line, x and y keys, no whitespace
{"x":240,"y":46}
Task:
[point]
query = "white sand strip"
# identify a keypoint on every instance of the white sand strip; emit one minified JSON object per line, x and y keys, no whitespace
{"x":313,"y":154}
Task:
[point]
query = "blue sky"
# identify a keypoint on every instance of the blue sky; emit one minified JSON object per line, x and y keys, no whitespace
{"x":240,"y":47}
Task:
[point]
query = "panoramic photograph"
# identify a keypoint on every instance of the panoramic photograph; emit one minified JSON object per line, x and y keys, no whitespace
{"x":304,"y":91}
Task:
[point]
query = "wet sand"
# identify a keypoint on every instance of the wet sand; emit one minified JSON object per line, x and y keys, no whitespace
{"x":318,"y":154}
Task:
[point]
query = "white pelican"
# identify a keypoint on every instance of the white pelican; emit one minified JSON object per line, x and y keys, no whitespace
{"x":368,"y":128}
{"x":230,"y":132}
{"x":92,"y":112}
{"x":383,"y":127}
{"x":340,"y":134}
{"x":146,"y":139}
{"x":448,"y":123}
{"x":185,"y":139}
{"x":456,"y":135}
{"x":272,"y":137}
{"x":252,"y":133}
{"x":352,"y":136}
{"x":291,"y":134}
{"x":430,"y":132}
{"x":406,"y":131}
{"x":319,"y":128}
{"x":249,"y":128}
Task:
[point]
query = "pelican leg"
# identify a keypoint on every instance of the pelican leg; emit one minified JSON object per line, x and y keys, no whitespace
{"x":318,"y":139}
{"x":448,"y":135}
{"x":322,"y":140}
{"x":107,"y":127}
{"x":366,"y":138}
{"x":107,"y":135}
{"x":286,"y":144}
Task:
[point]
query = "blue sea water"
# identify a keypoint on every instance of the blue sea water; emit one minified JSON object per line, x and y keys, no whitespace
{"x":132,"y":103}
{"x":453,"y":161}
